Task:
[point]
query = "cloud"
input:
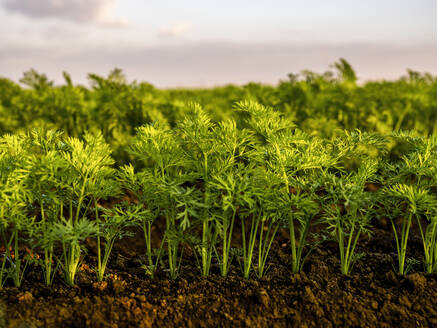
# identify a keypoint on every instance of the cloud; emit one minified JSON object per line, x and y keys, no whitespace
{"x":175,"y":31}
{"x":82,"y":11}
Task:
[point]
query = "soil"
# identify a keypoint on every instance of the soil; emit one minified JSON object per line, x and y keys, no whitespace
{"x":372,"y":296}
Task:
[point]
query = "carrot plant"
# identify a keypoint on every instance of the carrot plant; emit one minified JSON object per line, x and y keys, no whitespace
{"x":422,"y":166}
{"x":14,"y":197}
{"x":269,"y":225}
{"x":211,"y":149}
{"x":263,"y":224}
{"x":88,"y":169}
{"x":46,"y":239}
{"x":429,"y":239}
{"x":289,"y":154}
{"x":157,"y":147}
{"x":413,"y":179}
{"x":348,"y":206}
{"x":230,"y":183}
{"x":348,"y":210}
{"x":113,"y":225}
{"x":416,"y":202}
{"x":297,"y":160}
{"x":13,"y":224}
{"x":200,"y":149}
{"x":297,"y":209}
{"x":143,"y":186}
{"x":231,"y":190}
{"x":41,"y":168}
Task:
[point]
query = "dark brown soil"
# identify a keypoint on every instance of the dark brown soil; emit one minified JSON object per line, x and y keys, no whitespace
{"x":372,"y":296}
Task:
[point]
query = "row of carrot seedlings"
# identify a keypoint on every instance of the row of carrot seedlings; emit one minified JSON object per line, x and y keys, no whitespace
{"x":204,"y":179}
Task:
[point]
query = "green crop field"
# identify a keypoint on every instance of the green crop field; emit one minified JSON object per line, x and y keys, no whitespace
{"x":318,"y":158}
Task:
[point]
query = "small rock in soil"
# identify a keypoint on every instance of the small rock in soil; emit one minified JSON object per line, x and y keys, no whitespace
{"x":263,"y":297}
{"x":119,"y":286}
{"x":309,"y":295}
{"x":26,"y":297}
{"x":141,"y":298}
{"x":417,"y":281}
{"x":100,"y":286}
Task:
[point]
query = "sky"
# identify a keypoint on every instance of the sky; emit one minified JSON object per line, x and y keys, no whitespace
{"x":206,"y":43}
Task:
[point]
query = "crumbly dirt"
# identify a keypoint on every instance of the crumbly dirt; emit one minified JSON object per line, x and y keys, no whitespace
{"x":372,"y":296}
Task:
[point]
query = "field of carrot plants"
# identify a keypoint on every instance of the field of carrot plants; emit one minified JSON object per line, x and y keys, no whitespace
{"x":312,"y":203}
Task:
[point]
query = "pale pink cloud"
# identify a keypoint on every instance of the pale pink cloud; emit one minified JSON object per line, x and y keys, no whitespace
{"x":176,"y":30}
{"x":82,"y":11}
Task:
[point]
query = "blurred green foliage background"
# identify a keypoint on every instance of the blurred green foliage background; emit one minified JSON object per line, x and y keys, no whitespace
{"x":319,"y":104}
